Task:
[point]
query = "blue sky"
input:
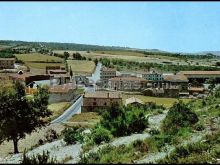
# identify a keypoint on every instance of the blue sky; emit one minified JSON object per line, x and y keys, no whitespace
{"x":171,"y":26}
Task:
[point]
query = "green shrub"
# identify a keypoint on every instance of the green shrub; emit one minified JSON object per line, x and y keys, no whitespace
{"x":72,"y":135}
{"x":121,"y":120}
{"x":101,"y":134}
{"x":38,"y":159}
{"x":178,"y":116}
{"x":199,"y":127}
{"x":154,"y":131}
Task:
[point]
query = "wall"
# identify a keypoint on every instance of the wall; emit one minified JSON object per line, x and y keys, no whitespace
{"x":61,"y":97}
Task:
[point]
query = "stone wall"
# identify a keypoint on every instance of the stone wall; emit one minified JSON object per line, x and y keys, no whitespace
{"x":61,"y":97}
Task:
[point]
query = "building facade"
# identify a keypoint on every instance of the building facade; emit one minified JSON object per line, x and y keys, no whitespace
{"x":125,"y":83}
{"x":7,"y":63}
{"x":153,"y":76}
{"x":201,"y":76}
{"x":106,"y":74}
{"x":98,"y":99}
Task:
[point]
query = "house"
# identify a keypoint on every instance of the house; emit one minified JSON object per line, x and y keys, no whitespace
{"x":106,"y":74}
{"x":201,"y":76}
{"x":27,"y":78}
{"x":196,"y":90}
{"x":55,"y":70}
{"x":98,"y":99}
{"x":7,"y":63}
{"x":80,"y":79}
{"x":62,"y":93}
{"x":125,"y":83}
{"x":133,"y":101}
{"x":153,"y":76}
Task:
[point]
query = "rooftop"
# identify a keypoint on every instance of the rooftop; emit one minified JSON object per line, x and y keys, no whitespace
{"x":196,"y":89}
{"x":102,"y":94}
{"x":65,"y":88}
{"x":7,"y":59}
{"x":130,"y":78}
{"x":107,"y":69}
{"x":133,"y":100}
{"x":176,"y":78}
{"x":199,"y":72}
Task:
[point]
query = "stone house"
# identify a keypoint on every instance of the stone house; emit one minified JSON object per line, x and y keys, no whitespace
{"x":7,"y":63}
{"x":125,"y":83}
{"x":106,"y":74}
{"x":98,"y":99}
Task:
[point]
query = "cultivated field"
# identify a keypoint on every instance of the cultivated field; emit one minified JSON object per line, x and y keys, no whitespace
{"x":166,"y":102}
{"x":81,"y":66}
{"x":36,"y":57}
{"x":39,"y":61}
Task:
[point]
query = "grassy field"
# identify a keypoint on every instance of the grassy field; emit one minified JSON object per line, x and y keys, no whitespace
{"x":4,"y":47}
{"x":42,"y":65}
{"x":81,"y":66}
{"x":167,"y":102}
{"x":131,"y":53}
{"x":36,"y":57}
{"x":86,"y":117}
{"x":40,"y":61}
{"x":58,"y":109}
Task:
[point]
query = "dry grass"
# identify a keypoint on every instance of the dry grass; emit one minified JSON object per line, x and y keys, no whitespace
{"x":81,"y":66}
{"x":58,"y":109}
{"x":42,"y":65}
{"x":30,"y":140}
{"x":38,"y":57}
{"x":167,"y":102}
{"x":86,"y":117}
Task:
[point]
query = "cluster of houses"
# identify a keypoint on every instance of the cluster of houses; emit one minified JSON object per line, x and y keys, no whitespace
{"x":158,"y":84}
{"x":108,"y":90}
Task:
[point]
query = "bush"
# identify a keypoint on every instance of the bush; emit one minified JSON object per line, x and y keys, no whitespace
{"x":178,"y":116}
{"x":51,"y":135}
{"x":199,"y":127}
{"x":154,"y":132}
{"x":72,"y":135}
{"x":39,"y":159}
{"x":121,"y":120}
{"x":101,"y":134}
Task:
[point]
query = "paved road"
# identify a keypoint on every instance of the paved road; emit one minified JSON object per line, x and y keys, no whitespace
{"x":73,"y":109}
{"x":96,"y":75}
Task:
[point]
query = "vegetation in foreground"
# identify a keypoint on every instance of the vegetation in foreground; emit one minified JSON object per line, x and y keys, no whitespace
{"x":19,"y":115}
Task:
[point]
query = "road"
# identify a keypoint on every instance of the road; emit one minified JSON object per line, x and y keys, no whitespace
{"x":75,"y":108}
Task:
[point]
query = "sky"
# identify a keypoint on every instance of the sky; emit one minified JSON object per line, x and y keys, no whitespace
{"x":169,"y":26}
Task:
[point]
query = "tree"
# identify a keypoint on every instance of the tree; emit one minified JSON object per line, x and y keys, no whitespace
{"x":20,"y":116}
{"x":96,"y":61}
{"x":66,"y":55}
{"x":67,"y":68}
{"x":71,"y":72}
{"x":179,"y":116}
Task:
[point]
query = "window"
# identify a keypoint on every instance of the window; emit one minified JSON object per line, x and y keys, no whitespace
{"x":105,"y":104}
{"x":94,"y":103}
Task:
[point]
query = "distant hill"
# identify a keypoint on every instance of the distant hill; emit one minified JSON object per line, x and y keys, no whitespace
{"x":212,"y":52}
{"x":70,"y":46}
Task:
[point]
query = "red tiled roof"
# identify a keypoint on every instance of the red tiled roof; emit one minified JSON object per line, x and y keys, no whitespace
{"x":196,"y":89}
{"x":119,"y":78}
{"x":102,"y":94}
{"x":7,"y":59}
{"x":175,"y":78}
{"x":108,"y":69}
{"x":65,"y":88}
{"x":199,"y":72}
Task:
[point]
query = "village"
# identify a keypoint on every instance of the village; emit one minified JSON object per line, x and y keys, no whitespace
{"x":110,"y":84}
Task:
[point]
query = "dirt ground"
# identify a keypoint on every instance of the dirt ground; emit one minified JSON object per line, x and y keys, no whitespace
{"x":30,"y":141}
